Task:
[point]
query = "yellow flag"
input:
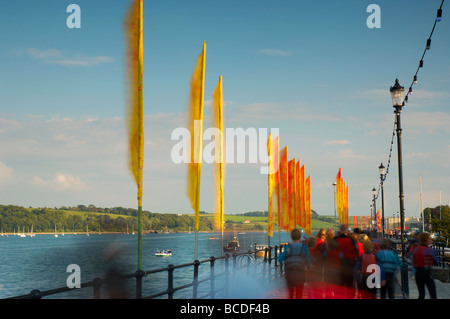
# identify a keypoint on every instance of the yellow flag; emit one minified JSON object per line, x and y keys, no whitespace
{"x":219,"y":168}
{"x":196,"y":129}
{"x":133,"y":27}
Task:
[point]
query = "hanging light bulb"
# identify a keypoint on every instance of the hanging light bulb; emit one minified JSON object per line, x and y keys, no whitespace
{"x":410,"y":90}
{"x":428,"y":44}
{"x":421,"y":64}
{"x":415,"y":79}
{"x":439,"y":15}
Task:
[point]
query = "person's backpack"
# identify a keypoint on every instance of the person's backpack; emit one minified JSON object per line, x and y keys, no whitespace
{"x":295,"y":261}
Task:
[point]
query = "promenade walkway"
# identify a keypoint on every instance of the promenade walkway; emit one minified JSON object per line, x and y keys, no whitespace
{"x":442,"y":288}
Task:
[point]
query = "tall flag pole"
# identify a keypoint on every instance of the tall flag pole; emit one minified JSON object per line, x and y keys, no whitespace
{"x":219,"y":169}
{"x":134,"y":31}
{"x":196,"y":130}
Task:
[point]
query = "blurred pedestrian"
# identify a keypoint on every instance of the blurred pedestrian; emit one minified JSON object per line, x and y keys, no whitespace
{"x":296,"y":259}
{"x":390,"y":262}
{"x":347,"y":247}
{"x":366,"y":271}
{"x":424,"y":258}
{"x":332,"y":263}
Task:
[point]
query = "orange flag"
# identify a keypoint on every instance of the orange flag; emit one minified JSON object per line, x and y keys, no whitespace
{"x":378,"y":220}
{"x":292,"y":193}
{"x":308,"y":205}
{"x":302,"y":198}
{"x":298,"y":214}
{"x":273,"y":191}
{"x":283,"y":216}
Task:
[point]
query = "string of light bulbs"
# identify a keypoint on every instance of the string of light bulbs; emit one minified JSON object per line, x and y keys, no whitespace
{"x":409,"y":92}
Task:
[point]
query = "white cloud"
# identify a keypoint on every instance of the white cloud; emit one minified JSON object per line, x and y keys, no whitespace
{"x":60,"y":182}
{"x":350,"y":154}
{"x":6,"y":174}
{"x":65,"y":58}
{"x":335,"y":142}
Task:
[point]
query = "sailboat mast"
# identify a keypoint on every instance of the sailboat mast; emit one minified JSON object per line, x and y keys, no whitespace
{"x":421,"y":199}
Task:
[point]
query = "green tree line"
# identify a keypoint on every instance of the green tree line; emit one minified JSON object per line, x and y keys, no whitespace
{"x":18,"y":219}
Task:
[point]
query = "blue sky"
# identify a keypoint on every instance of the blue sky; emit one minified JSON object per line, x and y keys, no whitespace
{"x":312,"y":69}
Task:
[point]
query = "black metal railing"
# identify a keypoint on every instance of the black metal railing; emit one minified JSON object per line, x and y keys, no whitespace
{"x":439,"y":248}
{"x":266,"y":260}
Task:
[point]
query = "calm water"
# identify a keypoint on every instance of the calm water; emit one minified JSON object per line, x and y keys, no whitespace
{"x":41,"y":262}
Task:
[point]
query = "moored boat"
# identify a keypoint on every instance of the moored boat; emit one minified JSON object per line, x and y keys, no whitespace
{"x":232,"y":246}
{"x":163,"y":253}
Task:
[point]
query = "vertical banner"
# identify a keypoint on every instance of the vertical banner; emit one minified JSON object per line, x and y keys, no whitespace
{"x":196,"y":130}
{"x":308,"y":205}
{"x":378,"y":220}
{"x":272,"y":179}
{"x":219,"y":154}
{"x":302,"y":198}
{"x":134,"y":33}
{"x":195,"y":125}
{"x":291,"y":193}
{"x":284,"y":191}
{"x":298,"y":214}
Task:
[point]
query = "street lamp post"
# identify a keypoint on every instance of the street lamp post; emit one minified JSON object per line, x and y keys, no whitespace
{"x":397,"y":102}
{"x":382,"y":171}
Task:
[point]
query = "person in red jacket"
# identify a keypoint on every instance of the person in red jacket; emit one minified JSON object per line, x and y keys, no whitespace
{"x":349,"y":250}
{"x":424,"y":258}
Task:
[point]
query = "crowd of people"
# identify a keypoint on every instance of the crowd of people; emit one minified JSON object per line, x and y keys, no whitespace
{"x":352,"y":265}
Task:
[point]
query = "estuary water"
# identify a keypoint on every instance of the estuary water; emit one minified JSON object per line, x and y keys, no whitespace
{"x":41,"y":262}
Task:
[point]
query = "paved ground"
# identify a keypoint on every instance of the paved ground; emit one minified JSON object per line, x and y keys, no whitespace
{"x":442,"y":288}
{"x":279,"y":290}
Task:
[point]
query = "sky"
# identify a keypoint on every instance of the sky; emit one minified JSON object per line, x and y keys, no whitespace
{"x":314,"y":70}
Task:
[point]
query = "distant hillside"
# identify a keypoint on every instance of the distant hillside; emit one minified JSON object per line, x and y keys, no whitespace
{"x":119,"y":219}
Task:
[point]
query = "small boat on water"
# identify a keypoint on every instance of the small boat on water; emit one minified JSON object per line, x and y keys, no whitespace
{"x":213,"y":237}
{"x":261,"y":250}
{"x":232,"y":246}
{"x":163,"y":253}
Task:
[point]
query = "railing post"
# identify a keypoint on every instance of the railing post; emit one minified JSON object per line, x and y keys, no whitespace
{"x":256,"y":252}
{"x":268,"y":252}
{"x":97,"y":288}
{"x":170,"y":291}
{"x":139,"y":274}
{"x":212,"y":277}
{"x":227,"y":273}
{"x":36,"y":294}
{"x":276,"y":260}
{"x":234,"y":261}
{"x":195,"y":288}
